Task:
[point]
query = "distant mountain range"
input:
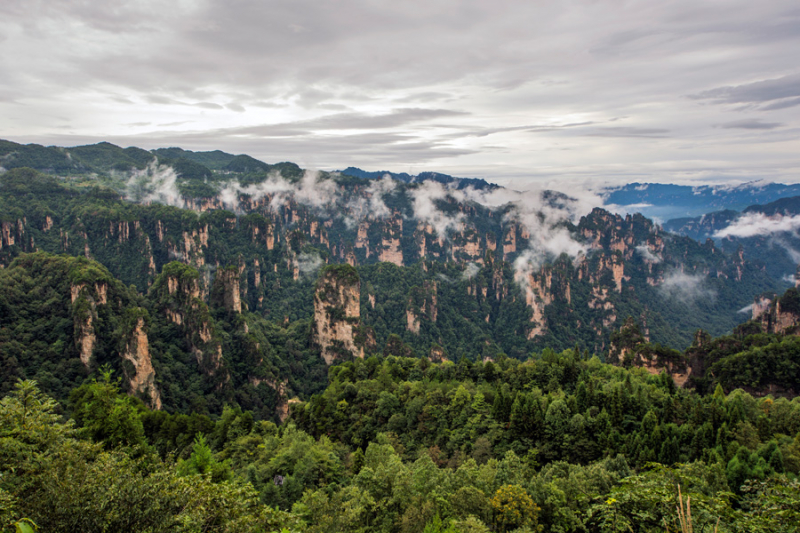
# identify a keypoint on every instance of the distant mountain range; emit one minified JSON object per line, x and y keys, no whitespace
{"x":665,"y":201}
{"x":767,"y":232}
{"x":654,"y":200}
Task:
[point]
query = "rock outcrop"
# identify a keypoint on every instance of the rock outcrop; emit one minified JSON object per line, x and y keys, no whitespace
{"x":390,"y":250}
{"x":630,"y":348}
{"x":337,"y":313}
{"x":226,"y":289}
{"x":779,"y":315}
{"x":137,"y":353}
{"x":177,"y":290}
{"x":85,"y":298}
{"x":422,"y":302}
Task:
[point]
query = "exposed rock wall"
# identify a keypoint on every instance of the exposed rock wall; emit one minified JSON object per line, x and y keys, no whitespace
{"x":390,"y":250}
{"x":422,"y":302}
{"x":629,"y":347}
{"x":179,"y":295}
{"x":85,"y":298}
{"x":228,"y":279}
{"x":779,"y":315}
{"x":337,"y":312}
{"x":137,"y":352}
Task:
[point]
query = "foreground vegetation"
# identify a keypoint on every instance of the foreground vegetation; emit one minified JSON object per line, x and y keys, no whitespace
{"x":560,"y":442}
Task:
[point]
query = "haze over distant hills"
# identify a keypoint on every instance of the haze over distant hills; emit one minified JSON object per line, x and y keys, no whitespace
{"x":656,"y":200}
{"x":667,"y":201}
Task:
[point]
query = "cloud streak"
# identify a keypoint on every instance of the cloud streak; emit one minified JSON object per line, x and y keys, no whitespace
{"x":686,"y":288}
{"x":759,"y":225}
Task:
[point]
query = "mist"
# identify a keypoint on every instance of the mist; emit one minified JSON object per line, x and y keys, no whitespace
{"x":309,"y":263}
{"x":686,"y":288}
{"x":759,"y":224}
{"x":154,"y":184}
{"x":470,"y":271}
{"x":647,"y":253}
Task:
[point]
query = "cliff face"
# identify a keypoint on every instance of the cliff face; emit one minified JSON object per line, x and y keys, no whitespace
{"x":226,"y":289}
{"x":337,"y":313}
{"x":422,"y":303}
{"x":780,"y":314}
{"x":137,"y":353}
{"x":389,"y":249}
{"x":177,"y":291}
{"x":626,"y":260}
{"x":85,"y":298}
{"x":12,"y":233}
{"x":630,"y":348}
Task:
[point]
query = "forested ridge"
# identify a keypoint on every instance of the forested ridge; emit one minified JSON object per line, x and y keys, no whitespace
{"x":278,"y":363}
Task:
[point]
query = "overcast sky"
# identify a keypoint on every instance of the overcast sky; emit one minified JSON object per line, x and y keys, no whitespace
{"x":517,"y":92}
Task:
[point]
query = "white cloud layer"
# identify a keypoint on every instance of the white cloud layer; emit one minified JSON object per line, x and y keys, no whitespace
{"x":759,"y":224}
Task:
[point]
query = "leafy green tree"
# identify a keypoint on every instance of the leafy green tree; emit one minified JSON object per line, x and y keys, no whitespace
{"x":513,"y":508}
{"x":203,"y":463}
{"x":107,"y":416}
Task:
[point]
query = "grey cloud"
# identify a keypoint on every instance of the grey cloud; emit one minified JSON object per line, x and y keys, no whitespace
{"x":315,"y":151}
{"x":113,"y":16}
{"x":309,"y":263}
{"x":428,"y":96}
{"x":782,"y":104}
{"x":310,"y":97}
{"x":395,"y":118}
{"x":268,"y":105}
{"x":759,"y":224}
{"x":751,"y":124}
{"x":470,"y":271}
{"x":756,"y":92}
{"x":624,"y":131}
{"x":343,"y":121}
{"x":208,"y":105}
{"x":158,"y":99}
{"x":686,"y":288}
{"x":485,"y":132}
{"x":236,"y":107}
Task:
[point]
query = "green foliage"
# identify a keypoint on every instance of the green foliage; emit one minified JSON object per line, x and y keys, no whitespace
{"x":514,"y":508}
{"x":341,"y":273}
{"x":63,"y":484}
{"x":203,"y":463}
{"x":649,"y":501}
{"x":105,"y":415}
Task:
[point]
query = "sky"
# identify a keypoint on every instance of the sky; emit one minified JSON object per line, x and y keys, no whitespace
{"x":520,"y":93}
